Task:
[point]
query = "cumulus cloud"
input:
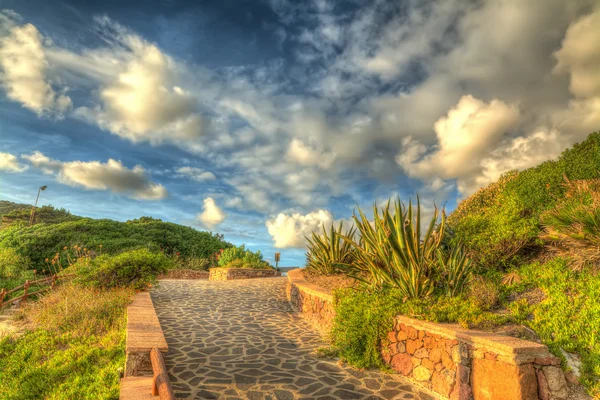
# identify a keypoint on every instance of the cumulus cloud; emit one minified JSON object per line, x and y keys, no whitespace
{"x":144,"y":101}
{"x":291,"y":230}
{"x":25,"y":69}
{"x":307,"y":155}
{"x":580,"y":56}
{"x":196,"y":174}
{"x":211,"y":215}
{"x":466,"y":135}
{"x":94,"y":175}
{"x":10,"y":163}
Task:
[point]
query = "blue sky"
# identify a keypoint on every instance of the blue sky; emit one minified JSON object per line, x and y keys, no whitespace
{"x":263,"y":120}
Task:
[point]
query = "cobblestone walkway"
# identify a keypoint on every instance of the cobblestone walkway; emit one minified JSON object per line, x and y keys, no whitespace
{"x":241,"y":340}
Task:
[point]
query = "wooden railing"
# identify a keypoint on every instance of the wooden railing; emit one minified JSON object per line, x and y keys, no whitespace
{"x":161,"y":385}
{"x":50,"y":282}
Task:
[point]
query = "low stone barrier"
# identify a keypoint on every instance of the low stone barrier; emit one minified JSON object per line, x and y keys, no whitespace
{"x":453,"y":362}
{"x":227,"y":274}
{"x":459,"y":363}
{"x":143,"y":334}
{"x":314,"y":302}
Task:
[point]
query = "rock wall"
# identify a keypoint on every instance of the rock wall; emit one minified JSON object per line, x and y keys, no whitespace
{"x":312,"y":301}
{"x":457,"y":363}
{"x":452,"y":362}
{"x":226,"y":274}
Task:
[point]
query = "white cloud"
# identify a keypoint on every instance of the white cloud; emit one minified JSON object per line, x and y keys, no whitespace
{"x":196,"y":174}
{"x":25,"y":68}
{"x":310,"y":156}
{"x":10,"y":163}
{"x":211,"y":215}
{"x":580,"y":56}
{"x":144,"y":101}
{"x":466,"y":135}
{"x":291,"y":230}
{"x":112,"y":175}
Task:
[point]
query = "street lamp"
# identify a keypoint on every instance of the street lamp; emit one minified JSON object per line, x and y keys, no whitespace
{"x":31,"y":217}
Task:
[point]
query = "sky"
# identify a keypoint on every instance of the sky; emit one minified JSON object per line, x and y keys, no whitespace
{"x":263,"y":120}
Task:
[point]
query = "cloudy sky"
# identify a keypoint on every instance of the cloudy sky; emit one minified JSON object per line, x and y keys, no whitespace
{"x":263,"y":119}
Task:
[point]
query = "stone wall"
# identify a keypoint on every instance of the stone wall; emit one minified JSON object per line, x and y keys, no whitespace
{"x":458,"y":363}
{"x":226,"y":274}
{"x":312,"y":301}
{"x":143,"y":333}
{"x":453,"y":362}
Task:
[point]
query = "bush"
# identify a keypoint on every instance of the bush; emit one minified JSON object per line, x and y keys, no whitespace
{"x":73,"y":349}
{"x":363,"y":319}
{"x":133,"y":268}
{"x":43,"y":241}
{"x":500,"y":224}
{"x":572,"y":227}
{"x":568,"y":318}
{"x":328,"y":251}
{"x":241,"y":257}
{"x":12,"y":264}
{"x":485,"y":293}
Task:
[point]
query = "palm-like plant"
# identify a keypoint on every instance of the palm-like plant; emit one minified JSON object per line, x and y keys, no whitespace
{"x":454,"y":271}
{"x":395,"y":251}
{"x":328,"y":252}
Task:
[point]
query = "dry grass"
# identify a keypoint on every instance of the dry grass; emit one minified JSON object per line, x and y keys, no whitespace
{"x":83,"y":311}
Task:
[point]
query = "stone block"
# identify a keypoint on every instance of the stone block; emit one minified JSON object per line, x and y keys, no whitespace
{"x":421,"y":374}
{"x":491,"y":380}
{"x":402,"y":363}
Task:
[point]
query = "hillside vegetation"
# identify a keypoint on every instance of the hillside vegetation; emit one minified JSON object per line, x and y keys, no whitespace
{"x":57,"y":229}
{"x":519,"y":256}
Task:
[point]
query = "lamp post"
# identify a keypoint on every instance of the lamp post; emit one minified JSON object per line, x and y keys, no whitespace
{"x":31,"y":217}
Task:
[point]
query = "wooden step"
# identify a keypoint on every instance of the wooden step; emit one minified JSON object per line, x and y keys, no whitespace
{"x":136,"y":388}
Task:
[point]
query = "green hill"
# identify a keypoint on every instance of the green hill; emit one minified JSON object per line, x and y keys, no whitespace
{"x":58,"y":228}
{"x":501,"y":223}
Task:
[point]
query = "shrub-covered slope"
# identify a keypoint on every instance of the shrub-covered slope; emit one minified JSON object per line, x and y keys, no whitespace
{"x":500,"y":224}
{"x":45,"y":239}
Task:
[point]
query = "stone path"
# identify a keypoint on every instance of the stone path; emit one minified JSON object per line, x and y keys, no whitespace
{"x":240,"y":340}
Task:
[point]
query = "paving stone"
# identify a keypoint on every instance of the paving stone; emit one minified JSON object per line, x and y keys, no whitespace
{"x":241,"y":339}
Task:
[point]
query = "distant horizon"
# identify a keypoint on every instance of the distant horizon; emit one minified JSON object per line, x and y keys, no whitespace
{"x":264,"y":119}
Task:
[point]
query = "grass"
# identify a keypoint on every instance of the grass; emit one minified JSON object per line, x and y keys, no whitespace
{"x":569,"y":317}
{"x":74,"y":346}
{"x":363,"y":318}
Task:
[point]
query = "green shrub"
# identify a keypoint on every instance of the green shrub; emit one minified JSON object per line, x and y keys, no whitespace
{"x":569,"y":316}
{"x":12,"y":264}
{"x":133,"y":268}
{"x":245,"y":257}
{"x":500,"y":224}
{"x":454,"y":271}
{"x":363,"y":319}
{"x":328,"y":251}
{"x":43,"y":241}
{"x":484,"y":292}
{"x":572,"y":227}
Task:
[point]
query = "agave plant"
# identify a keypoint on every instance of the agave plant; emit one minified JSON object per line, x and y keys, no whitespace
{"x":394,"y":250}
{"x":328,"y":252}
{"x":454,"y":271}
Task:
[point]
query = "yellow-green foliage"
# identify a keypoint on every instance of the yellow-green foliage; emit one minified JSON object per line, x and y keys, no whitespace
{"x":133,"y":268}
{"x":12,"y":264}
{"x":328,"y":251}
{"x":569,"y":317}
{"x":240,"y":257}
{"x":572,"y":227}
{"x":398,"y":250}
{"x":73,"y":350}
{"x":363,"y":319}
{"x":500,"y":224}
